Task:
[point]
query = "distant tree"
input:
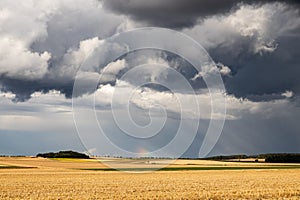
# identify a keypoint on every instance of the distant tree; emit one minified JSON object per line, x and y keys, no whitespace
{"x":63,"y":154}
{"x":271,"y":157}
{"x":229,"y":157}
{"x":282,"y":158}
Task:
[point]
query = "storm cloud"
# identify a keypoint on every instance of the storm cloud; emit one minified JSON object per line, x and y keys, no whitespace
{"x":259,"y":45}
{"x":43,"y":51}
{"x":255,"y":45}
{"x":177,"y":13}
{"x":43,"y":43}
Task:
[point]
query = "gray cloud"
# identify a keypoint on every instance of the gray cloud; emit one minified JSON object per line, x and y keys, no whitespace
{"x":270,"y":75}
{"x":43,"y":43}
{"x":176,"y":13}
{"x":259,"y":45}
{"x":252,"y":41}
{"x":40,"y":43}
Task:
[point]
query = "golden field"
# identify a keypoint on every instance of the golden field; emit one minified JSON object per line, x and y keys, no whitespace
{"x":64,"y":179}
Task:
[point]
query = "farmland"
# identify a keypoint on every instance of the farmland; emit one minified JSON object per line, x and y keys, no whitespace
{"x":41,"y":178}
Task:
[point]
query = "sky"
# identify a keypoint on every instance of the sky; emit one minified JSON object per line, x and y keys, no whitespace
{"x":177,"y":78}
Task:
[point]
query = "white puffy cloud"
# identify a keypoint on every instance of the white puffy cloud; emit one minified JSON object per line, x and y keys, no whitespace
{"x":224,"y":70}
{"x":19,"y":28}
{"x":19,"y":62}
{"x":7,"y":95}
{"x":288,"y":94}
{"x":75,"y":58}
{"x":114,"y":67}
{"x":146,"y":98}
{"x":35,"y":34}
{"x":261,"y":25}
{"x":110,"y":71}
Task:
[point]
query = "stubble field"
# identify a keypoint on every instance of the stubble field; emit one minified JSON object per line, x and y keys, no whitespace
{"x":65,"y":179}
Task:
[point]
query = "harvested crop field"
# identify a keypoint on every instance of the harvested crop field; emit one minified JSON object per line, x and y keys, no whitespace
{"x":53,"y":179}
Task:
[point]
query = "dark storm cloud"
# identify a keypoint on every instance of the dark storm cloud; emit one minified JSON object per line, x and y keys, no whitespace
{"x":67,"y":37}
{"x":263,"y":78}
{"x":176,"y":13}
{"x":23,"y":89}
{"x":260,"y":45}
{"x":43,"y":50}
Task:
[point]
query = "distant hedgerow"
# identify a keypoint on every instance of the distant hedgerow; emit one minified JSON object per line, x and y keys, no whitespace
{"x":63,"y":154}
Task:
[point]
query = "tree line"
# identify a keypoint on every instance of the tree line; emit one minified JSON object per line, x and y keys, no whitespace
{"x":270,"y":157}
{"x":63,"y":154}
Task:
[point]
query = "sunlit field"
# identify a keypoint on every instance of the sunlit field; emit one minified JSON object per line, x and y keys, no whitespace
{"x":40,"y":178}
